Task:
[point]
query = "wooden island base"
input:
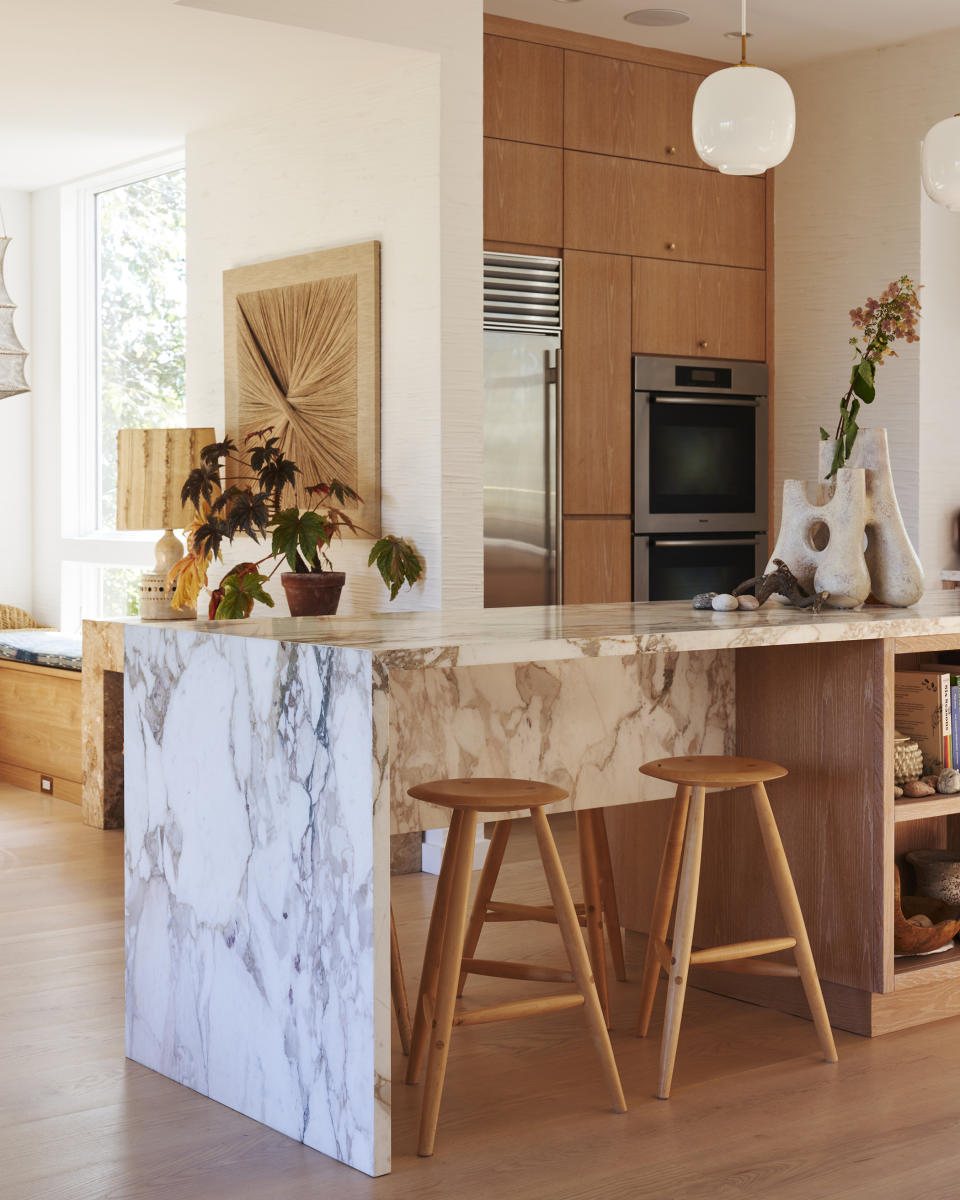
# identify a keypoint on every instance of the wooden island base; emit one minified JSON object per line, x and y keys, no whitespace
{"x":826,"y":712}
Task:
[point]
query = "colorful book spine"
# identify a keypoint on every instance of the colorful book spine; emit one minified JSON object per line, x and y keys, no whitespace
{"x":955,"y":720}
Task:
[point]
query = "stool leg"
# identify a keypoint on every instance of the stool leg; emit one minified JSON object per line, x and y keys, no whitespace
{"x":663,"y":905}
{"x":431,"y":954}
{"x":793,"y":918}
{"x":398,"y":987}
{"x":682,"y":941}
{"x":569,"y":924}
{"x":593,"y":906}
{"x":488,"y":881}
{"x":450,"y":959}
{"x":611,"y":912}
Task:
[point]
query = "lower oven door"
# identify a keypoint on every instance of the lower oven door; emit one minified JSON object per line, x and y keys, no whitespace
{"x":668,"y":567}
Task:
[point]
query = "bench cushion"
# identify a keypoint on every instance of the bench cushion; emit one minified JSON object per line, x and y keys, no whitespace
{"x":41,"y":648}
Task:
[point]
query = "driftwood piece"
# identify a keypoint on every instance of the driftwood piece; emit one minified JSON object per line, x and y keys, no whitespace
{"x":781,"y":582}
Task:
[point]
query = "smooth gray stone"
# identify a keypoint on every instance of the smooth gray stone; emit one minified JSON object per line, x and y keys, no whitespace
{"x":703,"y":600}
{"x":724,"y":603}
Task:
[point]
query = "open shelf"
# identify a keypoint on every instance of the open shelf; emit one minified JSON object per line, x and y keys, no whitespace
{"x":908,"y":809}
{"x":921,"y":962}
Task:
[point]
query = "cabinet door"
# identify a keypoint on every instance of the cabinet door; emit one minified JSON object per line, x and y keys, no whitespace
{"x":522,"y":193}
{"x":596,"y":384}
{"x":695,"y":310}
{"x":628,"y":109}
{"x":522,"y":91}
{"x":621,"y":206}
{"x":596,"y":560}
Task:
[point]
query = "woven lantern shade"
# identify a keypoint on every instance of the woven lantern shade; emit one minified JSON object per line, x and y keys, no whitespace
{"x":12,"y":354}
{"x":152,"y":467}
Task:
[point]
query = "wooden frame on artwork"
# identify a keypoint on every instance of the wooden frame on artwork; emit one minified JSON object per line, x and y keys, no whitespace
{"x":302,"y":354}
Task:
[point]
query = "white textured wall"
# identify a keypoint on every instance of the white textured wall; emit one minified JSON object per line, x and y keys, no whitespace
{"x":357,"y":160}
{"x":16,"y":539}
{"x":848,"y":221}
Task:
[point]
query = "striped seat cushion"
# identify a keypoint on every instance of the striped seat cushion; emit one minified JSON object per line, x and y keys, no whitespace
{"x":41,"y":648}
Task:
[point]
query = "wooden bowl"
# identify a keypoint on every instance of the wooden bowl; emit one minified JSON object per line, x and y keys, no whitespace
{"x":921,"y":939}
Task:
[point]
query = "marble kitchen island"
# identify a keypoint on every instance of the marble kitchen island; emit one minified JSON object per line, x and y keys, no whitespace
{"x":267,"y":762}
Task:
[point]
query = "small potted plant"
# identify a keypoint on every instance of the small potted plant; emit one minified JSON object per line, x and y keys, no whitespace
{"x":253,"y":504}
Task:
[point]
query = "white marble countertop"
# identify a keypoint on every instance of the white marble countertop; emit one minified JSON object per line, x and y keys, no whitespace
{"x":465,"y":637}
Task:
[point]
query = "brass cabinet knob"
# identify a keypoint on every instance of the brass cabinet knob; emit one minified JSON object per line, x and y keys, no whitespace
{"x":671,"y":149}
{"x":671,"y":245}
{"x":703,"y":345}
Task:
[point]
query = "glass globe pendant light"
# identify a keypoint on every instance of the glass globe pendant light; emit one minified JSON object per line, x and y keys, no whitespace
{"x":941,"y":163}
{"x":744,"y":117}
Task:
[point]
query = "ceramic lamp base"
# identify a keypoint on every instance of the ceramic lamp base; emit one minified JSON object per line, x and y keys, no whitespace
{"x":155,"y":600}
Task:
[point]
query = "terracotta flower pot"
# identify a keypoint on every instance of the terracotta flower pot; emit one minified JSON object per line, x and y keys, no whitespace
{"x":313,"y":595}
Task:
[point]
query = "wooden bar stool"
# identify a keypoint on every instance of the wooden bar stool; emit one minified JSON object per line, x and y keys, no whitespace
{"x":597,"y":912}
{"x":444,"y":961}
{"x":692,"y":776}
{"x":398,"y":987}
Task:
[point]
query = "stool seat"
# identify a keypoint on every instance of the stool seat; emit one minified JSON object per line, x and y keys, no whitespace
{"x":488,"y":795}
{"x":713,"y":770}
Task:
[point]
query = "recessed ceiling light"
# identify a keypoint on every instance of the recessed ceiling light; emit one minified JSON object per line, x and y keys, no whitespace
{"x":735,"y":33}
{"x":657,"y":16}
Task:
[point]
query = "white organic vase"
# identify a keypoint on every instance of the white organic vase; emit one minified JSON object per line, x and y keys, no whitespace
{"x":839,"y":566}
{"x":896,"y":574}
{"x":851,"y":540}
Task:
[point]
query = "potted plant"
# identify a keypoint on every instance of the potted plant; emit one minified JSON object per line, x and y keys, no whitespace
{"x":253,"y":504}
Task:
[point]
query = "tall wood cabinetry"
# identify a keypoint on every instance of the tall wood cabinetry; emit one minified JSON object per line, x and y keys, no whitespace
{"x":588,"y":153}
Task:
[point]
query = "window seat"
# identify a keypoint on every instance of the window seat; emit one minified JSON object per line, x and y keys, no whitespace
{"x":40,"y":742}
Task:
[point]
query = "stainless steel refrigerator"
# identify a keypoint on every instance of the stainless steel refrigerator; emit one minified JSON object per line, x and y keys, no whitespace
{"x":522,"y":464}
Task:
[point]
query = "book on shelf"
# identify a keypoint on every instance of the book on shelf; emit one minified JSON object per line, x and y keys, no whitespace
{"x":922,"y":710}
{"x":955,"y":721}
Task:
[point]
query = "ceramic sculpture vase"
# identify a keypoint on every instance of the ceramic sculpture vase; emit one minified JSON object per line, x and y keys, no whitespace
{"x":851,"y":540}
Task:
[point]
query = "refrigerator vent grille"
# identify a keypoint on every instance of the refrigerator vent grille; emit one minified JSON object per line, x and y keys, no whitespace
{"x":521,"y":292}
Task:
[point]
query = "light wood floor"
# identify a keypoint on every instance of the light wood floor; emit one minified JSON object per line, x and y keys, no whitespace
{"x":754,"y":1113}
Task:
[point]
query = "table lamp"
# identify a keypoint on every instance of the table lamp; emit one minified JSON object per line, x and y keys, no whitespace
{"x":152,"y":466}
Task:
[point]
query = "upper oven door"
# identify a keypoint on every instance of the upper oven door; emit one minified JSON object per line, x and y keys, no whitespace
{"x":700,"y":463}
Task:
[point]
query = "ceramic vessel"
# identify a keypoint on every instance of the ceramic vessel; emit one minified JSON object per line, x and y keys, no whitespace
{"x":938,"y":874}
{"x":851,"y":540}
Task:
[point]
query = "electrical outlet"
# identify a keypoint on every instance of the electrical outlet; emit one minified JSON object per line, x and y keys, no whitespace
{"x":46,"y":784}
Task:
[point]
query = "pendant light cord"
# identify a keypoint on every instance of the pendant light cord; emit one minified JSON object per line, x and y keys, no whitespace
{"x":743,"y":32}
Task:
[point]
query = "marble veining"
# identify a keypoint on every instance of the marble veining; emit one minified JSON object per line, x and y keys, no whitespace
{"x":585,"y":725}
{"x":410,"y":641}
{"x":256,"y":904}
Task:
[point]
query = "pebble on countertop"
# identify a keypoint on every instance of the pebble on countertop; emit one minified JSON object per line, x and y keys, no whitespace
{"x":724,"y":603}
{"x":948,"y":781}
{"x":748,"y":602}
{"x":703,"y":600}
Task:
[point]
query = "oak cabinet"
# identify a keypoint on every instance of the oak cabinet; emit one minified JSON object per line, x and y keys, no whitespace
{"x":628,"y":109}
{"x":522,"y":91}
{"x":596,"y":384}
{"x":596,"y":558}
{"x":621,"y":206}
{"x":522,"y":193}
{"x":694,"y":310}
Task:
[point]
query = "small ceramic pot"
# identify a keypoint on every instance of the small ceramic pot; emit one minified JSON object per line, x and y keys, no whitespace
{"x":313,"y":595}
{"x":938,"y":873}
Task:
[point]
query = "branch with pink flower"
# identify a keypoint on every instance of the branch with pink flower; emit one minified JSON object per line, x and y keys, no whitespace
{"x":883,"y":321}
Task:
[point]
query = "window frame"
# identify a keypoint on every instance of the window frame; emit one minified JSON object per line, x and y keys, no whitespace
{"x":85,"y":545}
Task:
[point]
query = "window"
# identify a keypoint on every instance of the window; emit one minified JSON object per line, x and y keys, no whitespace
{"x":140,"y":318}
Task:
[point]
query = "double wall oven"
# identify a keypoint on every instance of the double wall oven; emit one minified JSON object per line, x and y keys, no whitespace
{"x":700,"y":475}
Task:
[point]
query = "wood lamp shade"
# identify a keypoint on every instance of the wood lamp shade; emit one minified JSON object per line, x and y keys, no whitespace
{"x":152,"y":466}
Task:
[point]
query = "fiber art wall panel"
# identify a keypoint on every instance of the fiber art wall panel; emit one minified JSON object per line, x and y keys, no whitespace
{"x":302,"y":354}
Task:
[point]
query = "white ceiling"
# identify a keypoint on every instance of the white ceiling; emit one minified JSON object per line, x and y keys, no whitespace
{"x":786,"y":32}
{"x":92,"y":83}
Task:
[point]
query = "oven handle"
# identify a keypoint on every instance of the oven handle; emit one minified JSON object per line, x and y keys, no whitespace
{"x":675,"y":543}
{"x":725,"y":401}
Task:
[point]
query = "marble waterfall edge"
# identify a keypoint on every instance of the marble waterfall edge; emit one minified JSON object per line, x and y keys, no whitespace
{"x":256,"y":901}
